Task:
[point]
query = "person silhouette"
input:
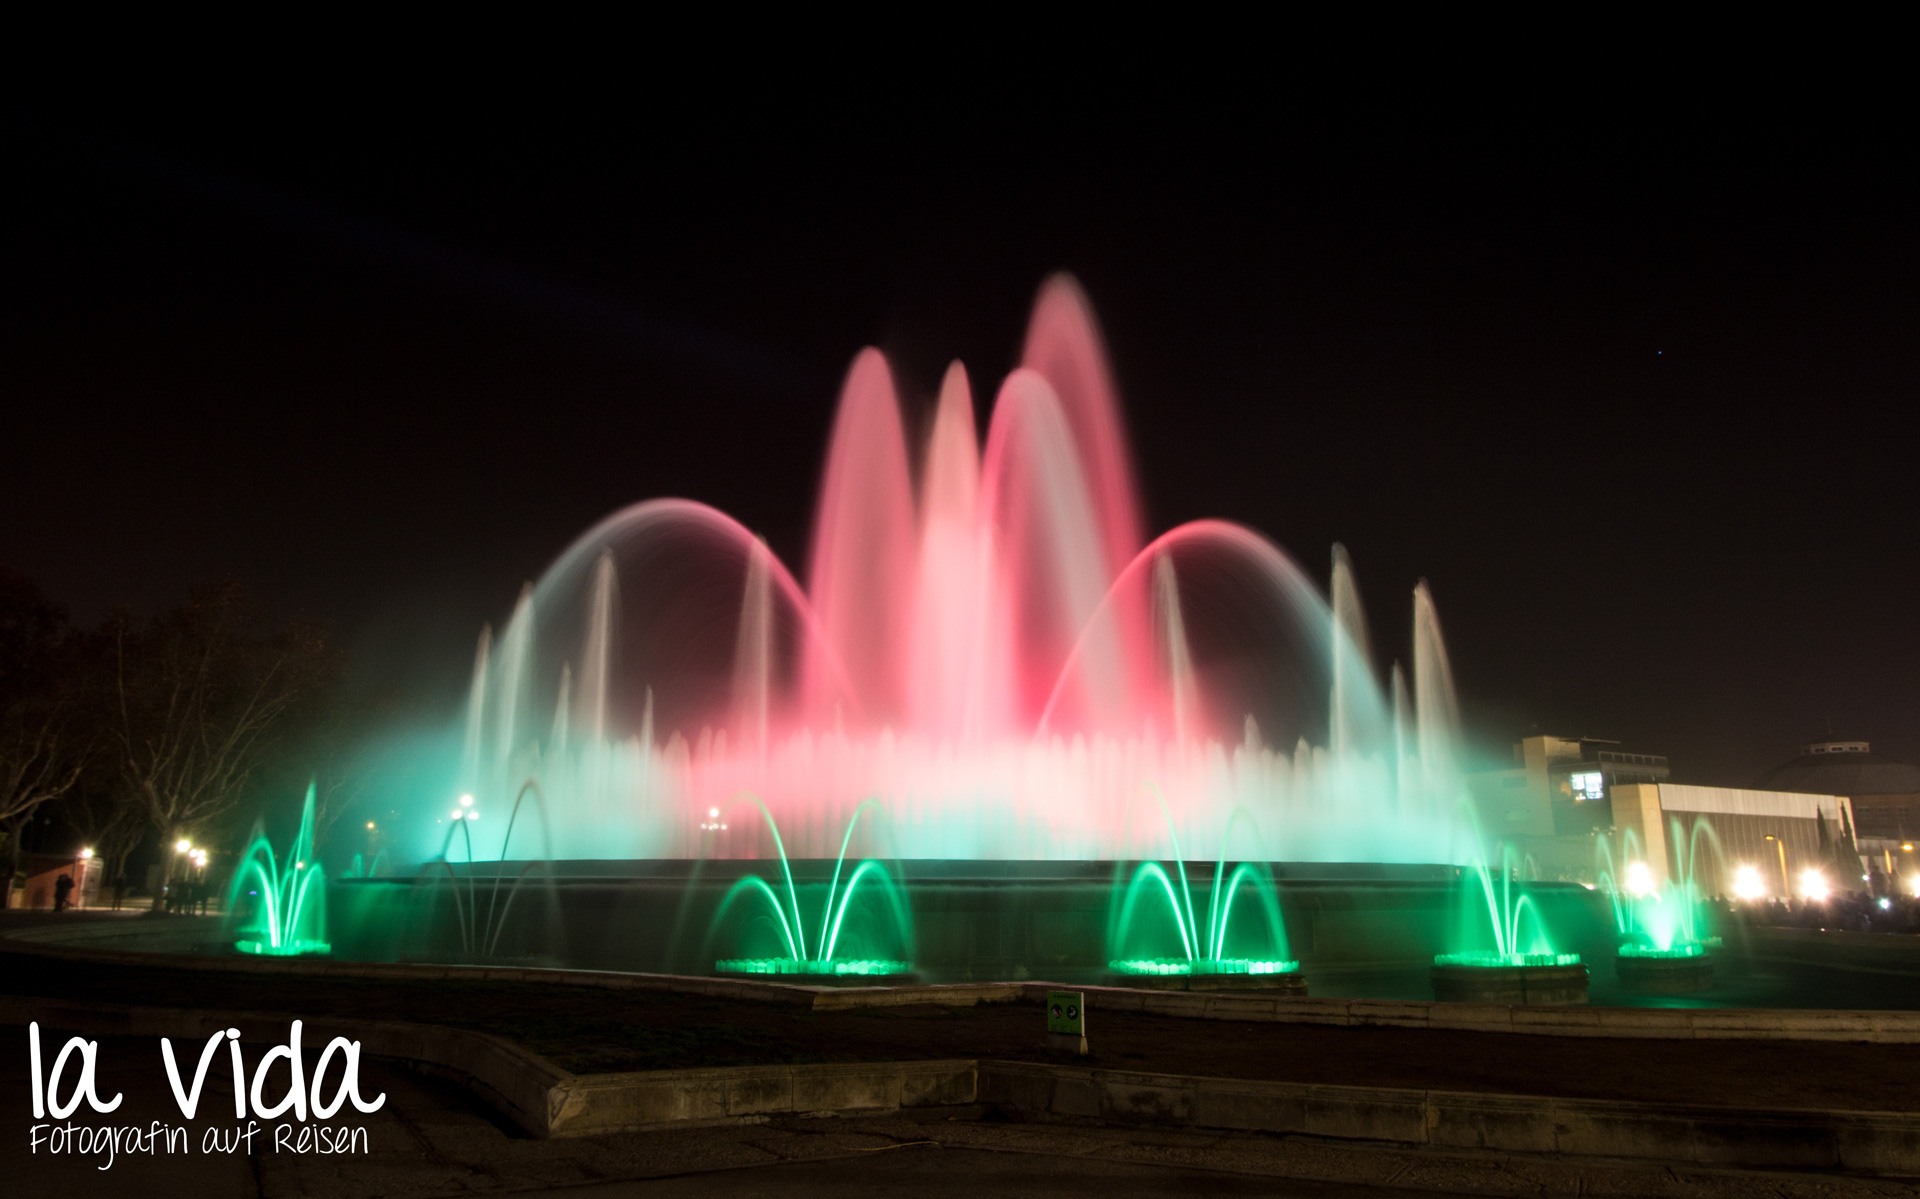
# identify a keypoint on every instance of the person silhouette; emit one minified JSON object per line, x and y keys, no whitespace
{"x":62,"y":887}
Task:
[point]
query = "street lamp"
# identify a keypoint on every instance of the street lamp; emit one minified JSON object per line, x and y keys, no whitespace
{"x":1786,"y":881}
{"x":1639,"y":880}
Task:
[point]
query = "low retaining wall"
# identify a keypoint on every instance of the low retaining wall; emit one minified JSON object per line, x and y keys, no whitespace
{"x":1879,"y":1142}
{"x":549,"y":1102}
{"x":1765,"y":1024}
{"x":533,"y":1092}
{"x":515,"y":1081}
{"x":586,"y":1105}
{"x":1754,"y":1024}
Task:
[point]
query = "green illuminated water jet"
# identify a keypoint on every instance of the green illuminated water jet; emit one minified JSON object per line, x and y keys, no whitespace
{"x":1658,"y":917}
{"x":1204,"y":948}
{"x":275,"y":912}
{"x":1519,"y":936}
{"x":822,"y":957}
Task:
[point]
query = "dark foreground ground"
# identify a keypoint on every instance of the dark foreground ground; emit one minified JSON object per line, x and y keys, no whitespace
{"x":432,"y":1139}
{"x":587,"y":1030}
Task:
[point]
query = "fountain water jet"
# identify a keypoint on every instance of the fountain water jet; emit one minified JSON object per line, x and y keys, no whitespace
{"x":1205,"y":963}
{"x":821,"y":959}
{"x":986,"y":648}
{"x":280,"y":912}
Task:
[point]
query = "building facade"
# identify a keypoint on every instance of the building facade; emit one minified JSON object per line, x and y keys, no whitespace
{"x":1577,"y":809}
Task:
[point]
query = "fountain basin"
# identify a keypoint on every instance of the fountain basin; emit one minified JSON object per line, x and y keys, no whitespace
{"x":1681,"y":969}
{"x":1230,"y":974}
{"x":869,"y":971}
{"x":293,"y":948}
{"x":1513,"y":979}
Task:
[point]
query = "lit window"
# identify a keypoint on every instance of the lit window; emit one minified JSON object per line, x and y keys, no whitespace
{"x":1588,"y":786}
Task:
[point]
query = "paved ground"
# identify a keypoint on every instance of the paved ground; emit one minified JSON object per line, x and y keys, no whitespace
{"x":433,"y":1139}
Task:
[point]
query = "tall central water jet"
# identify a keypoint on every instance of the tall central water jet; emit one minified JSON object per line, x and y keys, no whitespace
{"x":986,"y":646}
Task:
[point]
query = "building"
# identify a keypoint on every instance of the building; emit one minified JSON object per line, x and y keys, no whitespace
{"x":1577,"y":807}
{"x":1558,"y":787}
{"x":1884,"y":797}
{"x":43,"y":871}
{"x":1708,"y":833}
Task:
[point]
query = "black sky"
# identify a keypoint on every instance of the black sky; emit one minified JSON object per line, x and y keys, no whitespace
{"x":1627,"y":383}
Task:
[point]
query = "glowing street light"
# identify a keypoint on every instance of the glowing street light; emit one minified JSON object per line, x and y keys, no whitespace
{"x":182,"y":845}
{"x":1747,"y":883}
{"x":86,"y":855}
{"x":369,"y":824}
{"x":1813,"y":885}
{"x":1639,"y":880}
{"x":466,"y":801}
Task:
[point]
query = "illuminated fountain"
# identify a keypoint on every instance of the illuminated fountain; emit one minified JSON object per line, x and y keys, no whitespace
{"x":1204,"y":962}
{"x":823,"y":958}
{"x":280,"y":909}
{"x":986,"y":648}
{"x":1521,"y":965}
{"x":990,"y":658}
{"x":1665,"y":946}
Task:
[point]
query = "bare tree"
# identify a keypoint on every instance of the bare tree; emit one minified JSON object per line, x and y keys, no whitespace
{"x":202,"y":700}
{"x":101,"y":811}
{"x":44,"y":744}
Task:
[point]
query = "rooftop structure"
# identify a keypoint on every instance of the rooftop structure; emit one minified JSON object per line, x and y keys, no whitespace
{"x":1885,"y":793}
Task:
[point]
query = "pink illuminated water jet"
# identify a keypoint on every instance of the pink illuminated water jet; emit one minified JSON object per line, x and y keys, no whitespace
{"x":987,"y":648}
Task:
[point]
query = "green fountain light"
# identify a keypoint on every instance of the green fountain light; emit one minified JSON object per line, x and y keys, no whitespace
{"x":821,"y":960}
{"x":1205,"y":949}
{"x":836,"y":967}
{"x":281,"y":913}
{"x":1653,"y":917}
{"x":1184,"y":966}
{"x":1519,"y":936}
{"x":1485,"y":958}
{"x":1679,"y":950}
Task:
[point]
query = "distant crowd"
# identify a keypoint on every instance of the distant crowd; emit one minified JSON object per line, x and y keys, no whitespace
{"x":1852,"y":911}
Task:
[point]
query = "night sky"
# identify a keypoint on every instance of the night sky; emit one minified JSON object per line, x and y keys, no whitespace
{"x":1630,"y":388}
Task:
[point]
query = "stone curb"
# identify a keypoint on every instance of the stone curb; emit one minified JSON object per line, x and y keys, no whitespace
{"x":549,"y":1102}
{"x":1877,"y":1142}
{"x":534,"y":1093}
{"x":593,"y":1104}
{"x":515,"y":1081}
{"x":1761,"y":1024}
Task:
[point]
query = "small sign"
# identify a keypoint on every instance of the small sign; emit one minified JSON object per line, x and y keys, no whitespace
{"x":1067,"y":1013}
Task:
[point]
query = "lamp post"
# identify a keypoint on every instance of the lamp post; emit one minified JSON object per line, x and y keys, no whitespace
{"x":1786,"y":883}
{"x":181,"y":849}
{"x":81,"y":865}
